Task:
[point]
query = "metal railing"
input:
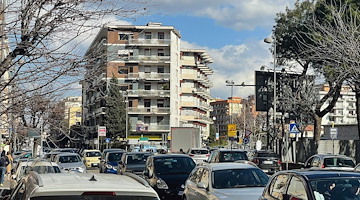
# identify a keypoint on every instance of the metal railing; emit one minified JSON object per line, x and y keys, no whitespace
{"x":149,"y":41}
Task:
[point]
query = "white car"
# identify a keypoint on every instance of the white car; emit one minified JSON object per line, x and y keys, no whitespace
{"x":199,"y":154}
{"x":69,"y":162}
{"x":228,"y":181}
{"x":73,"y":186}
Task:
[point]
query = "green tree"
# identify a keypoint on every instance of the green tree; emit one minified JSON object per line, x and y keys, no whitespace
{"x":115,"y":114}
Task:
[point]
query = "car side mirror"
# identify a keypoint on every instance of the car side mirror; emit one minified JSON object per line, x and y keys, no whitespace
{"x":201,"y":185}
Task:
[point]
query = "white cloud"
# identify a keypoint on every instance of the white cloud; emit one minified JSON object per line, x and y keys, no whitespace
{"x":238,"y":15}
{"x":237,"y":63}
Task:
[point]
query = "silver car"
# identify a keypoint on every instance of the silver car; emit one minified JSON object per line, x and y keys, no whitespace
{"x":69,"y":162}
{"x":228,"y":181}
{"x":199,"y":154}
{"x":329,"y":161}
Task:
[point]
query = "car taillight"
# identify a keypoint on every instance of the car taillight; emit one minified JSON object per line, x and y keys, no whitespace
{"x":256,"y":161}
{"x":191,"y":154}
{"x":100,"y":193}
{"x":322,"y":166}
{"x":207,"y":155}
{"x":279,"y":162}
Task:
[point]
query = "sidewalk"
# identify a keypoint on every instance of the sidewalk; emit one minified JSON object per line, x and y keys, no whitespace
{"x":6,"y":184}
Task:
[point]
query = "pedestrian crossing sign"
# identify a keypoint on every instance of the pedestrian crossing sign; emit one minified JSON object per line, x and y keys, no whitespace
{"x":294,"y":128}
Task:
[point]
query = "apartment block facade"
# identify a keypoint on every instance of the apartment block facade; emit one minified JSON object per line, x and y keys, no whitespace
{"x":148,"y":64}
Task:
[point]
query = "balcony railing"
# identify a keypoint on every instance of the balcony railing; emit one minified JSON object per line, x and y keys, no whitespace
{"x":152,"y":93}
{"x":151,"y":128}
{"x":145,"y":58}
{"x":149,"y":41}
{"x":148,"y":110}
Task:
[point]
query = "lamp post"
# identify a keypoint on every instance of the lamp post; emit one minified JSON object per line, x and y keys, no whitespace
{"x":273,"y":41}
{"x":231,"y":83}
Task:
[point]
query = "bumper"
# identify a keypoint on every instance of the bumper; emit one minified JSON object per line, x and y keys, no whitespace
{"x":92,"y":164}
{"x":111,"y":171}
{"x":170,"y":193}
{"x":269,"y":169}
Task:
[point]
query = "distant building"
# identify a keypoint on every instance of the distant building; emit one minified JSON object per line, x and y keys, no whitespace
{"x":223,"y":109}
{"x":72,"y":111}
{"x":344,"y":111}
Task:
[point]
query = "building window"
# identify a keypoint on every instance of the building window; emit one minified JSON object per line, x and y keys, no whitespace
{"x":148,"y":35}
{"x":147,"y":103}
{"x":147,"y":69}
{"x":147,"y":119}
{"x":130,"y":104}
{"x":124,"y":87}
{"x":147,"y":86}
{"x":160,"y":70}
{"x":123,"y":71}
{"x":160,"y":103}
{"x":147,"y":52}
{"x":123,"y":36}
{"x":131,"y":69}
{"x":159,"y":119}
{"x":161,"y":52}
{"x":161,"y":35}
{"x":78,"y":114}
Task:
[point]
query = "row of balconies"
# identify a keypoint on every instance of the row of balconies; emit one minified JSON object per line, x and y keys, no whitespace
{"x":141,"y":41}
{"x":149,"y":76}
{"x":201,"y":105}
{"x":141,"y":58}
{"x":149,"y":128}
{"x":149,"y":110}
{"x":341,"y":115}
{"x":148,"y":93}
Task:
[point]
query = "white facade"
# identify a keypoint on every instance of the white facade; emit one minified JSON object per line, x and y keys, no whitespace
{"x":344,"y":111}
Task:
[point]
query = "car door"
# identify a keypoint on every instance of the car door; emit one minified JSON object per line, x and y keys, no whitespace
{"x":277,"y":188}
{"x":191,"y":183}
{"x":202,"y":193}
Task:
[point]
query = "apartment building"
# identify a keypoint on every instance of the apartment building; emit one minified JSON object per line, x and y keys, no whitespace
{"x":223,"y":109}
{"x":72,"y":110}
{"x":148,"y":64}
{"x":344,"y":111}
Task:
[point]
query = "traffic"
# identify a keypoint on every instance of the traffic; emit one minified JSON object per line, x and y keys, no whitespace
{"x":146,"y":175}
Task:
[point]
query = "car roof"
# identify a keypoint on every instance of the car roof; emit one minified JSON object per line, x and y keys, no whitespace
{"x":170,"y":156}
{"x":228,"y":150}
{"x":67,"y":154}
{"x":132,"y":153}
{"x":77,"y":183}
{"x":312,"y":174}
{"x":107,"y":150}
{"x":331,"y":156}
{"x":223,"y":166}
{"x":199,"y":149}
{"x":91,"y":150}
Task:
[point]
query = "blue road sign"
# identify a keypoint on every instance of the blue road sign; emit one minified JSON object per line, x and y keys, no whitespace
{"x":294,"y":128}
{"x":107,"y":140}
{"x":246,"y":140}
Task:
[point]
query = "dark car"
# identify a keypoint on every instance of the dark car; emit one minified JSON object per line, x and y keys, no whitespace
{"x":329,"y":161}
{"x":167,"y":174}
{"x":110,"y":162}
{"x":133,"y":162}
{"x":313,"y":185}
{"x":268,"y":161}
{"x":226,"y":155}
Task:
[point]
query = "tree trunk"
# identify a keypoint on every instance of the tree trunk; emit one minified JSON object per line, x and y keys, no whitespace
{"x":317,"y":128}
{"x":357,"y":96}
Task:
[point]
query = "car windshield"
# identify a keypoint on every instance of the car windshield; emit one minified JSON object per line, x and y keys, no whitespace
{"x":266,"y":154}
{"x":336,"y":188}
{"x":137,"y":158}
{"x":174,"y":165}
{"x":46,"y":169}
{"x":93,"y":154}
{"x":114,"y":157}
{"x":232,"y":156}
{"x":338,"y":162}
{"x":93,"y":197}
{"x":198,"y":151}
{"x":238,"y":178}
{"x":69,"y":159}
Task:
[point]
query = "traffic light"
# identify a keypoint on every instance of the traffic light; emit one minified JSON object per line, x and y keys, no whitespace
{"x":238,"y":135}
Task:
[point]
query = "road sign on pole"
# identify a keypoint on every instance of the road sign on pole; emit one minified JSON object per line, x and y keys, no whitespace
{"x":294,"y":128}
{"x":333,"y":133}
{"x":102,"y":130}
{"x":231,"y":128}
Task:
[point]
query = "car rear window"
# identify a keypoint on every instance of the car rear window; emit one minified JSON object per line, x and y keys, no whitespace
{"x":198,"y":151}
{"x":338,"y":162}
{"x":174,"y":165}
{"x":69,"y":159}
{"x":93,"y":197}
{"x":137,"y":158}
{"x":267,"y":154}
{"x":93,"y":154}
{"x":114,"y":157}
{"x":232,"y":156}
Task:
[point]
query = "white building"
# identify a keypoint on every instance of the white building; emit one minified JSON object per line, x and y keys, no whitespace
{"x":344,"y":111}
{"x":148,"y":63}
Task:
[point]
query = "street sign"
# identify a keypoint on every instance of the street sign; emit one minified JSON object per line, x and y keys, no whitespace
{"x":258,"y":145}
{"x":107,"y":140}
{"x":246,"y":140}
{"x":333,"y":133}
{"x":231,"y":128}
{"x":294,"y":128}
{"x":101,"y":130}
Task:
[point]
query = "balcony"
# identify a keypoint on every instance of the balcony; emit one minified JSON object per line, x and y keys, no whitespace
{"x":351,"y":115}
{"x":351,"y":108}
{"x":201,"y":105}
{"x":149,"y":42}
{"x":149,"y":110}
{"x":151,"y":128}
{"x":148,"y":93}
{"x":142,"y":58}
{"x":197,"y":117}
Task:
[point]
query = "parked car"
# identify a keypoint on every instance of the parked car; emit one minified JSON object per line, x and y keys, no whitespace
{"x":226,"y":181}
{"x":82,"y":186}
{"x":167,"y":174}
{"x":110,"y":163}
{"x":268,"y":161}
{"x":226,"y":155}
{"x":91,"y":157}
{"x":133,"y":162}
{"x":199,"y":154}
{"x":70,"y":162}
{"x":329,"y":161}
{"x":312,"y":185}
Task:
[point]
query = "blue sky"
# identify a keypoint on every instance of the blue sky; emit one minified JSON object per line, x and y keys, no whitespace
{"x":232,"y":31}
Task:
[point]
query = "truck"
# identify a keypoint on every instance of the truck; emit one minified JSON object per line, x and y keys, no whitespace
{"x":184,"y":138}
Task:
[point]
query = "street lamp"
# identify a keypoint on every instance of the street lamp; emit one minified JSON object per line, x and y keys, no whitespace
{"x":231,"y":83}
{"x":273,"y":41}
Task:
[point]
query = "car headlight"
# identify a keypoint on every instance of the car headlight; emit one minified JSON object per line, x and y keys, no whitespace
{"x":109,"y":166}
{"x":82,"y":169}
{"x":161,"y":184}
{"x":88,"y":161}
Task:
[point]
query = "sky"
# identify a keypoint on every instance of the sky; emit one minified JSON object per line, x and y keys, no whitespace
{"x":231,"y":31}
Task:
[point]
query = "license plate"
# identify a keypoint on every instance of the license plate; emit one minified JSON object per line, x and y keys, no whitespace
{"x":268,"y":162}
{"x":95,"y":165}
{"x":180,"y":193}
